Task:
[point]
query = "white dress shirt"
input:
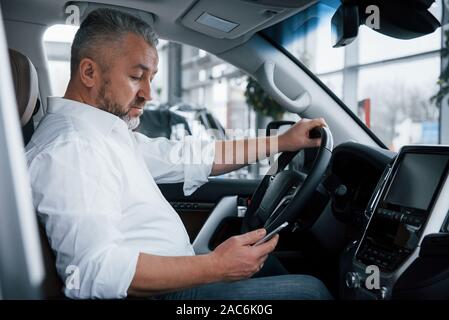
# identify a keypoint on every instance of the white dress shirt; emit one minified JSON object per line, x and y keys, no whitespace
{"x":94,"y":189}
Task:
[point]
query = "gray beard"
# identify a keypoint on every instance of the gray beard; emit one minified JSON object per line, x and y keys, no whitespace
{"x":107,"y":105}
{"x":131,"y":122}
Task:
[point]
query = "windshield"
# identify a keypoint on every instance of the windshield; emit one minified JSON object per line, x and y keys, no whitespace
{"x":388,"y":83}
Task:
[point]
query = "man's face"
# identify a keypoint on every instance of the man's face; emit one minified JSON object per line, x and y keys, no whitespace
{"x":125,"y":84}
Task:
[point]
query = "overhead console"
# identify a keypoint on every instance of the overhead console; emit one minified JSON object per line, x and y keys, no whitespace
{"x":410,"y":202}
{"x":219,"y":18}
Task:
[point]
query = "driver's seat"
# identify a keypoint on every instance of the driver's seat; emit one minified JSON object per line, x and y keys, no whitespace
{"x":25,"y":81}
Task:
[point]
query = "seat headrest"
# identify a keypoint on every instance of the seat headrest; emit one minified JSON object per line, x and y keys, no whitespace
{"x":25,"y":84}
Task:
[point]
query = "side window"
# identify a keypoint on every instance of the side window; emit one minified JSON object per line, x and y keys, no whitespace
{"x":194,"y":93}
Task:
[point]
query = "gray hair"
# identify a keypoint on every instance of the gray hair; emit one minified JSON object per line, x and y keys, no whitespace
{"x":106,"y":27}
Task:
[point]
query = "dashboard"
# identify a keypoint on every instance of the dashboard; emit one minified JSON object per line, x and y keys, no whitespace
{"x":399,"y":204}
{"x":355,"y":170}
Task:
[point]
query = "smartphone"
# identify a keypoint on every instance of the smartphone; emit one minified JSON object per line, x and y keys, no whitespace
{"x":271,"y":234}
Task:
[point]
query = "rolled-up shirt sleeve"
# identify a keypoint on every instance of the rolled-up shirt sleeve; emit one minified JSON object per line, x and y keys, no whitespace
{"x":189,"y":161}
{"x":77,"y":193}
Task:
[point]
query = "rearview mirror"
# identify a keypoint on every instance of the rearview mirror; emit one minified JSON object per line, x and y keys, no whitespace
{"x":401,"y":19}
{"x":345,"y":25}
{"x":404,"y":21}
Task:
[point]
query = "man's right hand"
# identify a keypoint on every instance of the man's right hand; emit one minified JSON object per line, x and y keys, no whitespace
{"x":237,"y":258}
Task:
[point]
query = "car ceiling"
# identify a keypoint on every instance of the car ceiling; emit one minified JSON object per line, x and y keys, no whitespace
{"x":174,"y":20}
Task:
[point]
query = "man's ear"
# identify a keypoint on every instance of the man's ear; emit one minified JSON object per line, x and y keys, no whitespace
{"x":88,"y":72}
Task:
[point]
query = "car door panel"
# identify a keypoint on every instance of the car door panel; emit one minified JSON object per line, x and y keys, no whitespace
{"x":194,"y":210}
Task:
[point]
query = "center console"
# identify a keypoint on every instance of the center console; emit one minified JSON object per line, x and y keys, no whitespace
{"x":410,"y":201}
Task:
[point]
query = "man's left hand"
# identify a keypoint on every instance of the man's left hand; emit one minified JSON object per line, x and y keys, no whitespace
{"x":297,"y":137}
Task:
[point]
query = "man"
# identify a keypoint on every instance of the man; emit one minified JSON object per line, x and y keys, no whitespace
{"x":93,"y":183}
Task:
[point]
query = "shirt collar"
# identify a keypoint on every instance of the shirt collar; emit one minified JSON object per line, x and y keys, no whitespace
{"x":102,"y":120}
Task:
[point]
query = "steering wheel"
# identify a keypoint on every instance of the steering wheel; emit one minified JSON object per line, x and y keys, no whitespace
{"x":282,"y":195}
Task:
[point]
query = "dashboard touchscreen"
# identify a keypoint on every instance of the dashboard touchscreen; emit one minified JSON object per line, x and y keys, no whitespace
{"x":404,"y":207}
{"x":416,"y":180}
